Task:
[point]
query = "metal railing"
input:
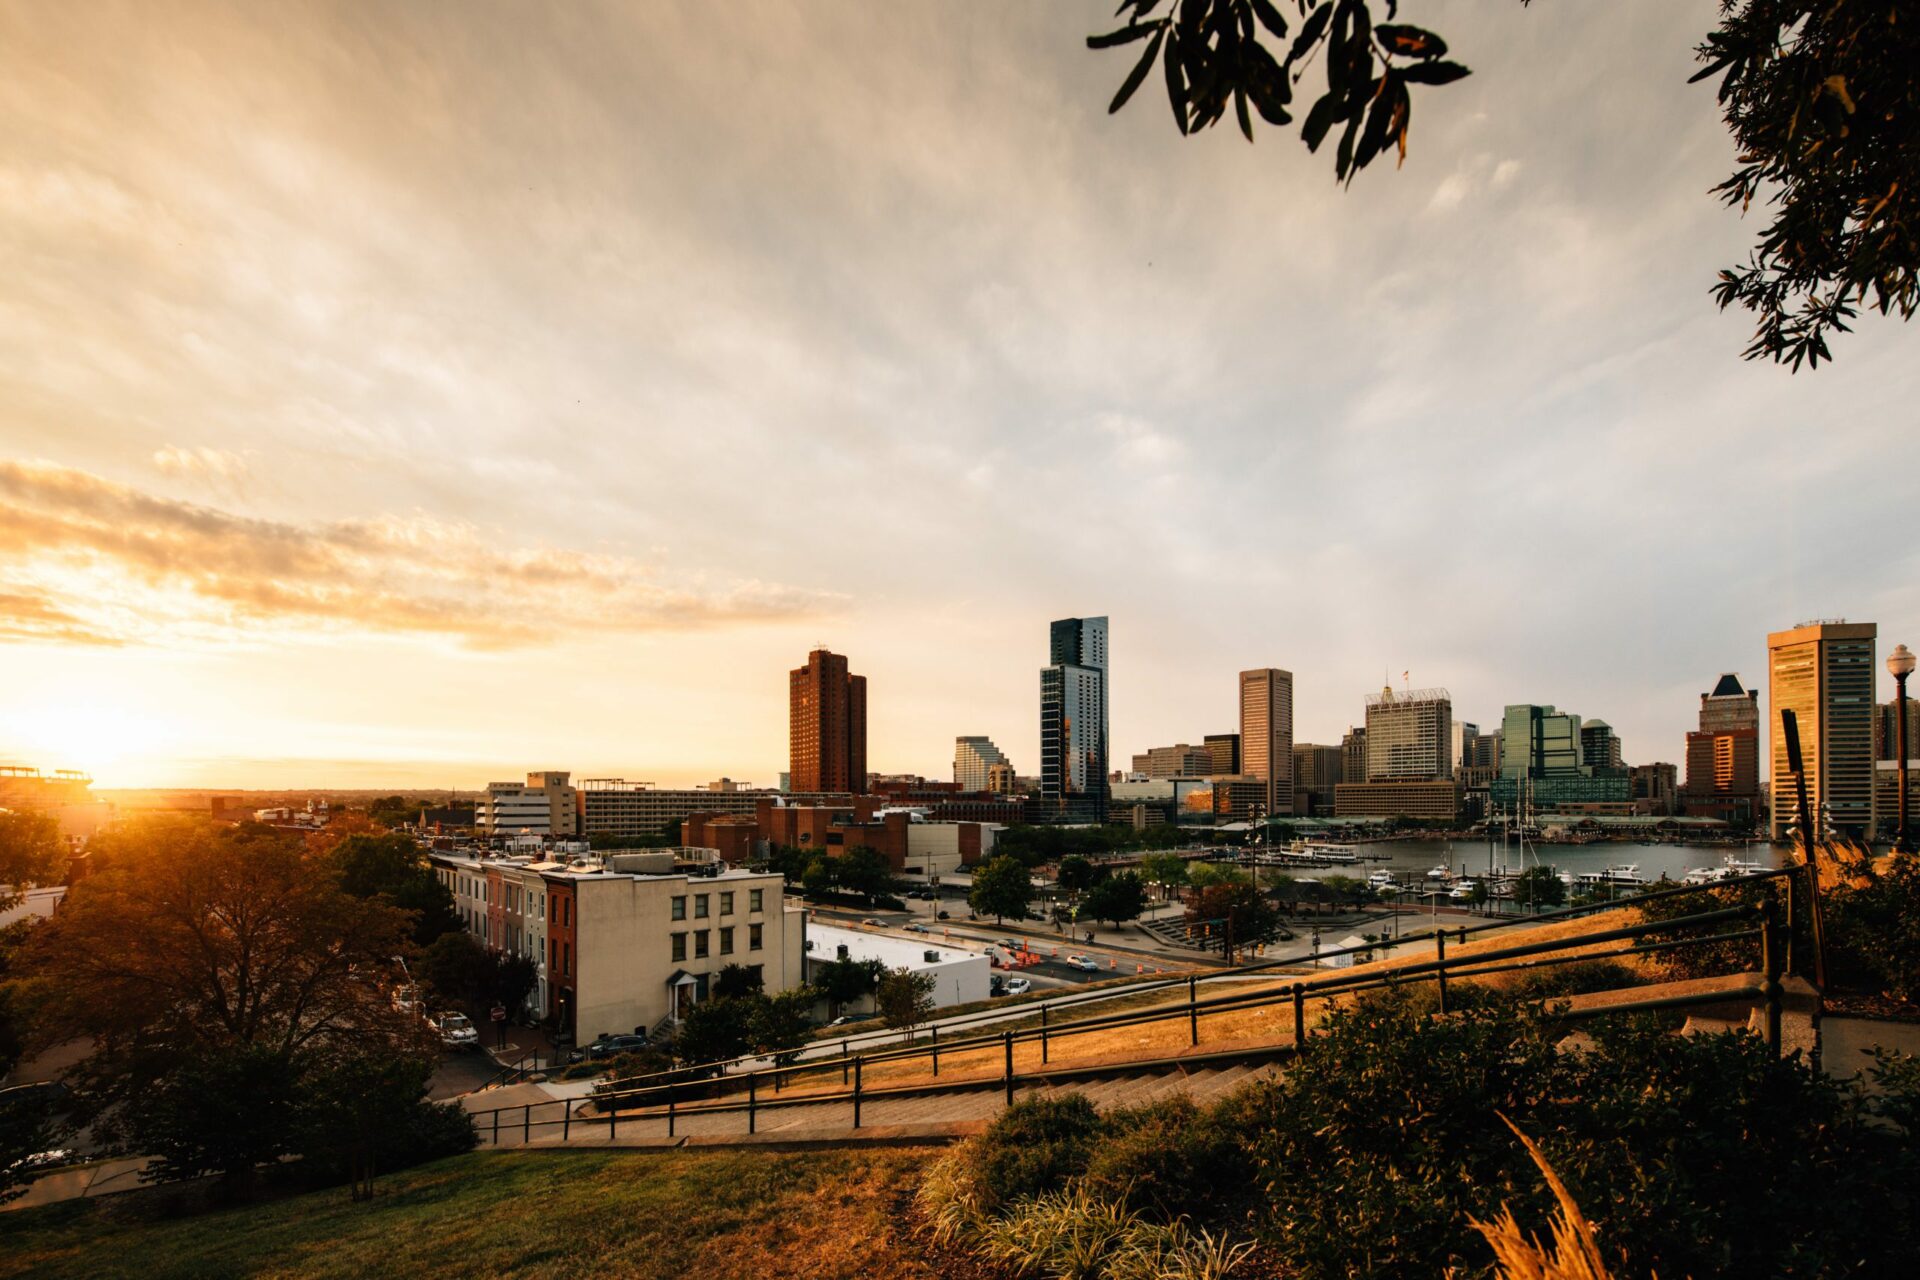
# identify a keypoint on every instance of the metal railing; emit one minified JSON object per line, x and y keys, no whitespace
{"x":705,"y":1090}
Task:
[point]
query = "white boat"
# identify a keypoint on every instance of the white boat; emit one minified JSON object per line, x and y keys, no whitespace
{"x":1730,"y":868}
{"x":1442,"y":873}
{"x":1464,"y":891}
{"x":1382,"y":880}
{"x":1625,"y":875}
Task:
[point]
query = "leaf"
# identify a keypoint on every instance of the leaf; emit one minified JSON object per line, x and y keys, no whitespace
{"x":1125,"y":35}
{"x":1411,"y":42}
{"x":1319,"y":120}
{"x":1434,"y":73}
{"x":1240,"y":109}
{"x":1176,"y":87}
{"x":1310,"y":32}
{"x":1270,"y":18}
{"x":1138,"y":73}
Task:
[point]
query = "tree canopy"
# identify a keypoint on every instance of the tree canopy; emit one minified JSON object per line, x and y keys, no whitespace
{"x":1822,"y":98}
{"x":1000,"y":889}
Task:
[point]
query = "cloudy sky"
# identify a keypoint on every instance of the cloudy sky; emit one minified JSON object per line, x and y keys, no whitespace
{"x":423,"y":393}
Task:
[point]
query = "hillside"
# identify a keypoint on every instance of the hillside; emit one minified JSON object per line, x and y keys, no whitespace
{"x":751,"y":1213}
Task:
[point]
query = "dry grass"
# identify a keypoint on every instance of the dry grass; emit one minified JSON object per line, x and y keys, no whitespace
{"x":1575,"y":1254}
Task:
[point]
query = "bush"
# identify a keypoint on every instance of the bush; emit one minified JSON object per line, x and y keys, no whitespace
{"x":1873,"y":929}
{"x":1556,"y":982}
{"x":1171,"y":1159}
{"x":1033,"y":1147}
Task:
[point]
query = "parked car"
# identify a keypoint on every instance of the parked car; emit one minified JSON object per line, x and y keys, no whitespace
{"x":456,"y":1030}
{"x":1018,"y":986}
{"x":1083,"y":963}
{"x":613,"y":1046}
{"x":914,"y":928}
{"x":846,"y":1018}
{"x":871,"y":921}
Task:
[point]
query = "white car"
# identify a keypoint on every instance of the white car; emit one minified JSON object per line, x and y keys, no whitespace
{"x":1018,"y":986}
{"x":1083,"y":963}
{"x":456,"y":1031}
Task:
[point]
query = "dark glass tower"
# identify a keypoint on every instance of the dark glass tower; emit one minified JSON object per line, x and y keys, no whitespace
{"x":1073,"y":721}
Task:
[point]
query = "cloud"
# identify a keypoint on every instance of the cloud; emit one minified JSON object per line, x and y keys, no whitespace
{"x":220,"y":468}
{"x":93,"y":560}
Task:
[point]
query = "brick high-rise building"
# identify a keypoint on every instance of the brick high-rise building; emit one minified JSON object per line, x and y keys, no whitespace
{"x":827,"y":725}
{"x":1824,"y":673}
{"x":1266,"y":733}
{"x":1723,"y":755}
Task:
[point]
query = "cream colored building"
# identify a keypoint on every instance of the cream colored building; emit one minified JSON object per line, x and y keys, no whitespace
{"x":545,"y":806}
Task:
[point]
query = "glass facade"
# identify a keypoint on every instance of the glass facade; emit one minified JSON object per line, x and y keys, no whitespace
{"x":1073,"y":721}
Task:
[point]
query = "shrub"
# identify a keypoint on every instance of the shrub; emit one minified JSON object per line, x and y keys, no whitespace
{"x":1033,"y":1148}
{"x":1580,"y":978}
{"x":1873,"y":928}
{"x":1171,"y":1158}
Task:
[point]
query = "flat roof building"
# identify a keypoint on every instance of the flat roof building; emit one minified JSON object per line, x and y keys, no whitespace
{"x":1824,"y":673}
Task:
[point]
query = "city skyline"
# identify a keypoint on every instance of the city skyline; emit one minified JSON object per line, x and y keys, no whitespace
{"x":422,"y":437}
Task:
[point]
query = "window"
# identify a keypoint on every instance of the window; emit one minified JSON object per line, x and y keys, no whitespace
{"x":726,"y":904}
{"x":566,"y":958}
{"x":700,"y":947}
{"x":726,"y":942}
{"x":679,"y":946}
{"x":753,"y":899}
{"x":753,"y":937}
{"x":679,"y":908}
{"x":700,"y":907}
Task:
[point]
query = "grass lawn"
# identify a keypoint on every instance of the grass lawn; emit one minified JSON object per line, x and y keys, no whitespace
{"x":722,"y":1213}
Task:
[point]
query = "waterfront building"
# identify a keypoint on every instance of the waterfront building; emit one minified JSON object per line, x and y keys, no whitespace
{"x":1653,"y":787}
{"x":1353,"y":755}
{"x":1316,"y":772}
{"x":1824,"y":673}
{"x":973,"y":761}
{"x":1073,"y":721}
{"x":1543,"y":765}
{"x":1178,"y":761}
{"x":1266,"y":734}
{"x":1600,"y":746}
{"x":827,"y":725}
{"x":1723,"y":755}
{"x":1409,"y":735}
{"x":1225,"y":750}
{"x":1430,"y":799}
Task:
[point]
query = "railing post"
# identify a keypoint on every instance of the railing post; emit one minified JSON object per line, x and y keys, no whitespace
{"x":1770,"y":966}
{"x":526,"y":1124}
{"x":1787,"y":884}
{"x":936,"y":1051}
{"x":1193,"y":1010}
{"x":1440,"y":959}
{"x":843,"y":1062}
{"x":670,"y":1100}
{"x":1299,"y":1018}
{"x":857,"y":1063}
{"x":566,"y":1121}
{"x":753,"y":1100}
{"x":613,"y":1124}
{"x":1009,"y":1042}
{"x":1043,"y":1035}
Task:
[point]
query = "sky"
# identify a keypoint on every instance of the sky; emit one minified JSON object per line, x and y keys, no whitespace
{"x":422,"y":394}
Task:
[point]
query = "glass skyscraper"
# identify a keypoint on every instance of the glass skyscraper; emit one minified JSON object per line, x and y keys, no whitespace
{"x":1073,"y":721}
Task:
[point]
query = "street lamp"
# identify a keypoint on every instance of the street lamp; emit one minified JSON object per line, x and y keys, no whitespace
{"x":1901,"y":662}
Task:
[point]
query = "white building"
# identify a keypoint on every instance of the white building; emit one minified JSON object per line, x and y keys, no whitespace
{"x":973,"y":761}
{"x":544,"y":806}
{"x":959,"y":976}
{"x":1409,"y":736}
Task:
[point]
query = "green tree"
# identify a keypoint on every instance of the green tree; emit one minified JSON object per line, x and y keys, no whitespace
{"x":31,"y":852}
{"x":1117,"y":898}
{"x":1538,"y":887}
{"x":714,"y":1031}
{"x":864,"y":871}
{"x":905,"y":998}
{"x":1205,"y":875}
{"x":818,"y":877}
{"x":456,"y":969}
{"x":844,"y":982}
{"x":395,"y":869}
{"x":736,"y":980}
{"x":1168,"y":870}
{"x":1235,"y":914}
{"x":1076,"y":874}
{"x":780,"y":1024}
{"x":1821,"y":96}
{"x":1001,"y":888}
{"x":365,"y":1111}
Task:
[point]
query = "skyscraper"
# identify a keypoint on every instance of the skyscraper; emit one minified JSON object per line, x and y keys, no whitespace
{"x":1600,"y":746}
{"x":1824,"y":673}
{"x":1409,"y":735}
{"x":1266,"y":733}
{"x":1073,"y":721}
{"x":1225,"y":750}
{"x":827,"y":725}
{"x":1723,"y":755}
{"x":1353,"y":755}
{"x":973,"y":761}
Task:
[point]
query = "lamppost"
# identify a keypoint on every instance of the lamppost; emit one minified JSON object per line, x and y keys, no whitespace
{"x":1901,"y":662}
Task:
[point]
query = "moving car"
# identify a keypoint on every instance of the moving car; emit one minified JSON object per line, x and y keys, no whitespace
{"x":1018,"y":986}
{"x":456,"y":1030}
{"x":1083,"y":963}
{"x":913,"y":928}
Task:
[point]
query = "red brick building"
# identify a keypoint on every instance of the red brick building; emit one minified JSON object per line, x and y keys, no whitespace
{"x":827,"y":725}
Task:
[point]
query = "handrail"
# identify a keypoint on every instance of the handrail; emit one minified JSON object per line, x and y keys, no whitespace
{"x":719,"y":1067}
{"x":1482,"y":963}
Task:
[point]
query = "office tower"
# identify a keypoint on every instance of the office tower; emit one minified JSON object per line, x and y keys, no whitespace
{"x":1886,"y":730}
{"x":1225,"y":750}
{"x":1723,"y":755}
{"x":1266,"y":733}
{"x":1317,"y":770}
{"x":1824,"y":673}
{"x":1543,"y":764}
{"x":1178,"y":761}
{"x":1460,"y":748}
{"x":973,"y":761}
{"x":1002,"y":780}
{"x":1599,"y":746}
{"x":1073,"y":721}
{"x":1353,"y":755}
{"x":1409,"y":736}
{"x":827,"y":725}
